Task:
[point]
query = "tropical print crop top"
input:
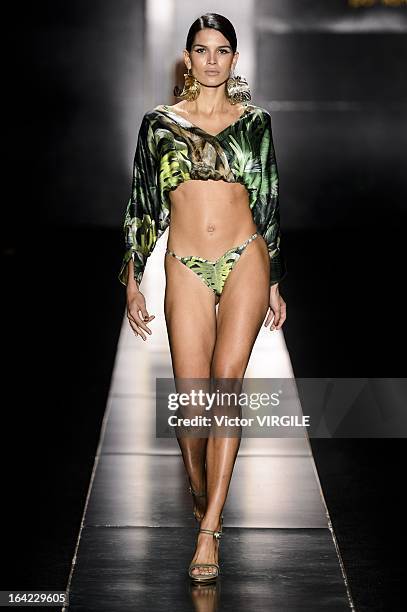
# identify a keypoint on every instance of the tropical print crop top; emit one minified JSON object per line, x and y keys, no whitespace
{"x":171,"y":150}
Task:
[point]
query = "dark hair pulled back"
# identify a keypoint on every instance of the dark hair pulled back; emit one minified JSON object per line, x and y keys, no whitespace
{"x":215,"y":21}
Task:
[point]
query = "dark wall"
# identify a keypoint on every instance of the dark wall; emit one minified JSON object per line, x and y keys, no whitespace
{"x":333,"y":78}
{"x":76,"y":73}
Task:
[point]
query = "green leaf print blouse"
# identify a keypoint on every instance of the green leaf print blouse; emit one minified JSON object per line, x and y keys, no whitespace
{"x":171,"y":150}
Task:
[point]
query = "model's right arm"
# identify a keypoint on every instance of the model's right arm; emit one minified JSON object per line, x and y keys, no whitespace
{"x":141,"y":222}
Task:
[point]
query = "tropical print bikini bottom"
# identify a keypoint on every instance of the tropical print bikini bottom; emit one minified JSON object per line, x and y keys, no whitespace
{"x":214,"y":273}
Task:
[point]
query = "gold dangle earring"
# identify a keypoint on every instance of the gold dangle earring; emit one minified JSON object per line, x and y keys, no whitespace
{"x":237,"y":89}
{"x":191,"y":90}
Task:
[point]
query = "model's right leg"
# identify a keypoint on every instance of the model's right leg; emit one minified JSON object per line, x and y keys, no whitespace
{"x":189,"y":307}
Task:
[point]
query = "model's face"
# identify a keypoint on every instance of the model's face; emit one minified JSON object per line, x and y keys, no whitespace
{"x":211,"y":58}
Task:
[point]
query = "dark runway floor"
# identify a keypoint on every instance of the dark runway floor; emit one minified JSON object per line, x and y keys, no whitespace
{"x":62,"y":321}
{"x":261,"y":569}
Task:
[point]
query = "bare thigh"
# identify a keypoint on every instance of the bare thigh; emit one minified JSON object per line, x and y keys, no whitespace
{"x":242,"y":309}
{"x":203,"y":344}
{"x":190,"y":314}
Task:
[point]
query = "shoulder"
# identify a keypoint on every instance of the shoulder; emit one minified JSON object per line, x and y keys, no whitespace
{"x":265,"y":116}
{"x":154,"y":113}
{"x":148,"y":118}
{"x":149,"y":124}
{"x":259,"y":122}
{"x":261,"y":116}
{"x":154,"y":119}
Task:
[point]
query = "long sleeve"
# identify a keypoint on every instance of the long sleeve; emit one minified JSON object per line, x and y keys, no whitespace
{"x":144,"y":220}
{"x":267,"y":208}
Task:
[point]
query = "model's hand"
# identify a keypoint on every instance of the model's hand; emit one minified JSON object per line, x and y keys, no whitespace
{"x":278,"y":309}
{"x":137,"y":314}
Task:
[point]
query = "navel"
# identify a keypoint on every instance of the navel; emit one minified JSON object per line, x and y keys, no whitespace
{"x":211,"y":228}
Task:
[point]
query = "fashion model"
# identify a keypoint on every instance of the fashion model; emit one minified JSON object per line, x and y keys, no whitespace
{"x":207,"y":162}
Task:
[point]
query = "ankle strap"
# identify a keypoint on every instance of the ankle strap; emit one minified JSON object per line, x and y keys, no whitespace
{"x":216,"y":534}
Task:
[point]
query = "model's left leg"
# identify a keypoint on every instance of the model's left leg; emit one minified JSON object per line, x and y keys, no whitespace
{"x":242,"y":309}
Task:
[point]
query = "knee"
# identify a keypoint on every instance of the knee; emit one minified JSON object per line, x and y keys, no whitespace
{"x":227,"y":368}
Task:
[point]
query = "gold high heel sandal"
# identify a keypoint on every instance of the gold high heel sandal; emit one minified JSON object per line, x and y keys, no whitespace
{"x":210,"y":576}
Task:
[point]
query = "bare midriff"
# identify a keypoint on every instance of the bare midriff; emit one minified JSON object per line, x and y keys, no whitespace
{"x":209,"y":217}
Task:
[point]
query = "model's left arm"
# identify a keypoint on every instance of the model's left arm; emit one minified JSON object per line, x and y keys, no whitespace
{"x":269,"y":202}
